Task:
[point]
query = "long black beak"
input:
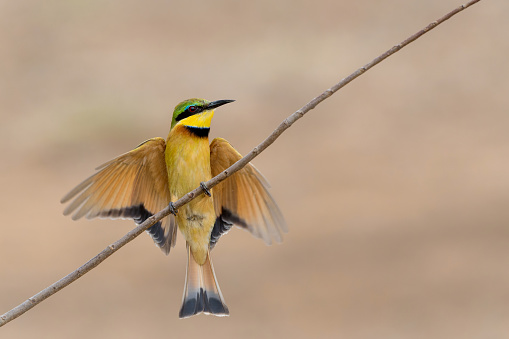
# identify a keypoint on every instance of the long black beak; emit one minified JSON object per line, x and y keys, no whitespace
{"x":218,"y":103}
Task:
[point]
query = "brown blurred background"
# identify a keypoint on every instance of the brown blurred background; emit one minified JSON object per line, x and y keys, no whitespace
{"x":395,"y":190}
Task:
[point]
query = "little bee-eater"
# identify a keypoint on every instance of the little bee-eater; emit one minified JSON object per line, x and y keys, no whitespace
{"x":143,"y":181}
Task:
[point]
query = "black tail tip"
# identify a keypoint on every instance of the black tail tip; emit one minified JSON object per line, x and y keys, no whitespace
{"x":203,"y":303}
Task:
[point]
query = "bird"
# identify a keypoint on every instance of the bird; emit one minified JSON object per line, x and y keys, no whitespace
{"x":143,"y":181}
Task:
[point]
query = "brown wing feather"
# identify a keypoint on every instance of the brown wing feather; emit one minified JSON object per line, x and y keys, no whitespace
{"x":133,"y":185}
{"x":243,"y":199}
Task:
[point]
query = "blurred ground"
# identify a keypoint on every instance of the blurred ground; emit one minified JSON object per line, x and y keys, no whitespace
{"x":395,"y":190}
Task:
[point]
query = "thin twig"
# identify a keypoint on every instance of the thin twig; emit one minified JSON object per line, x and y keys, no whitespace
{"x":47,"y":292}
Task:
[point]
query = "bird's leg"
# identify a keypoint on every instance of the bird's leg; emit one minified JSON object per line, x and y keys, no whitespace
{"x":173,"y":210}
{"x":205,"y":188}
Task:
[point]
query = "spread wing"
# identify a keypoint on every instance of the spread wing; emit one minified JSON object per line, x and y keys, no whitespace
{"x":243,"y":199}
{"x":133,"y":185}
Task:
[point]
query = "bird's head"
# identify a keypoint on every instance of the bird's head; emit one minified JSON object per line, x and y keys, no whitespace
{"x":196,"y":112}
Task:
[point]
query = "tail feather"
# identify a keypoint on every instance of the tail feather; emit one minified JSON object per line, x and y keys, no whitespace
{"x":201,"y":293}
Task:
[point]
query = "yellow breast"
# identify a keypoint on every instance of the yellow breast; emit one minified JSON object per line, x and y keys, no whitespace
{"x":188,"y":164}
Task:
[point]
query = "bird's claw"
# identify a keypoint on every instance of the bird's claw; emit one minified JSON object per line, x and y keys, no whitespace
{"x":173,"y":210}
{"x":205,"y":188}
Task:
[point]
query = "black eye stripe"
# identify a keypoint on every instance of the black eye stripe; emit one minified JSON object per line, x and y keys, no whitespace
{"x":187,"y":113}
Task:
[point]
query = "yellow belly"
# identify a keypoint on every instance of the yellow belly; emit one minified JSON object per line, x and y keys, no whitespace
{"x":188,"y":164}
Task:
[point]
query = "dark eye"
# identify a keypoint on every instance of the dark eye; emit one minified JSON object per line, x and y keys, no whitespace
{"x":192,"y":109}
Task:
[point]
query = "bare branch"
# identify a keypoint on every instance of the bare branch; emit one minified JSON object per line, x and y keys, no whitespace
{"x":47,"y":292}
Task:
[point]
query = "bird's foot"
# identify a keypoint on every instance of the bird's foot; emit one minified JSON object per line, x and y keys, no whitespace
{"x":173,"y":210}
{"x":205,"y":188}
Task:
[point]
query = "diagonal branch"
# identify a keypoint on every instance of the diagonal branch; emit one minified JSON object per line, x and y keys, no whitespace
{"x":49,"y":291}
